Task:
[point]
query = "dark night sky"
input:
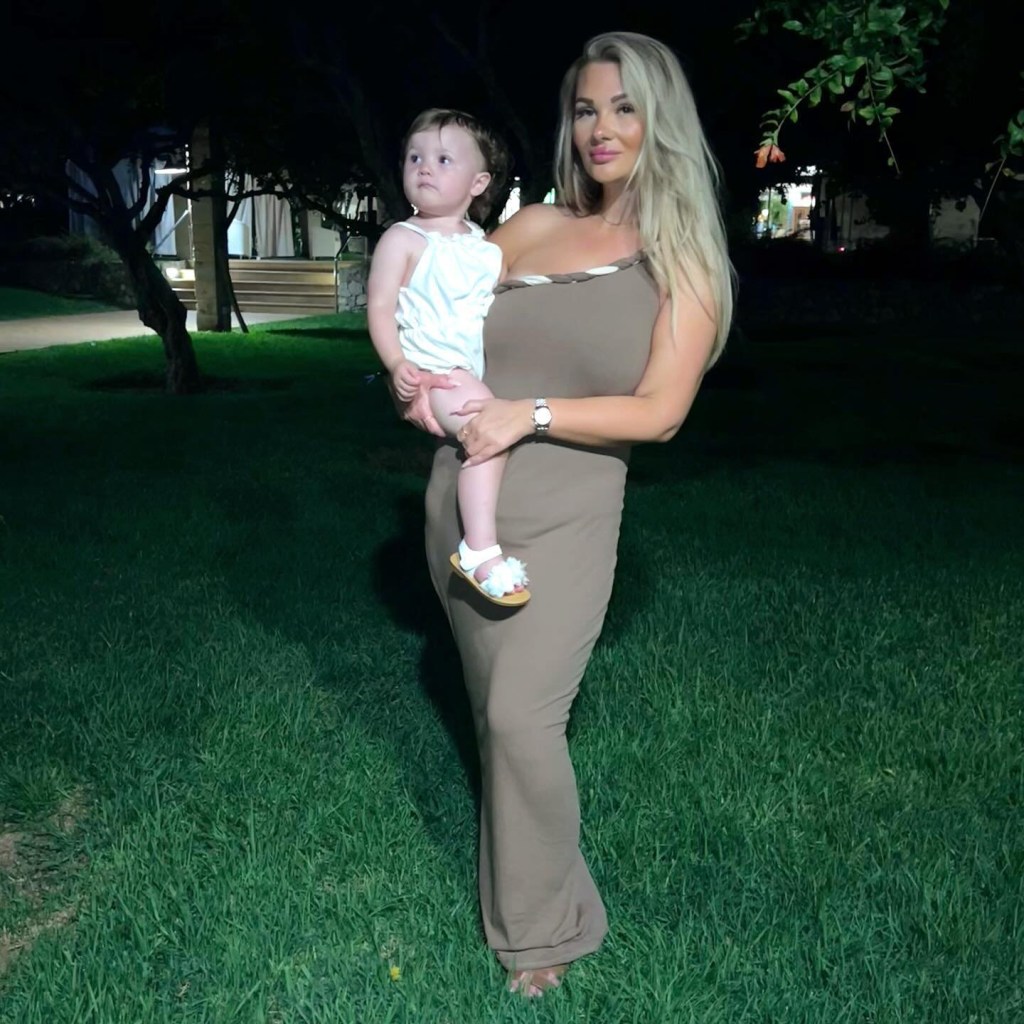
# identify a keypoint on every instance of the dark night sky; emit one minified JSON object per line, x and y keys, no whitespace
{"x":221,"y":49}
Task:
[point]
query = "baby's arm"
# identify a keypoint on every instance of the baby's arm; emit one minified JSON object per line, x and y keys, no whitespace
{"x":396,"y":252}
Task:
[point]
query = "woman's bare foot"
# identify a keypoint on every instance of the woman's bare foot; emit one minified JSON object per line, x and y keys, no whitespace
{"x":533,"y":984}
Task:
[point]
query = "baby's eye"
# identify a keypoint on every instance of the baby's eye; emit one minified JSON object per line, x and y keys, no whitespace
{"x":445,"y":160}
{"x":414,"y":158}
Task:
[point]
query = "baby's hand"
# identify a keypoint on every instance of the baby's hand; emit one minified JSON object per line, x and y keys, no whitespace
{"x":405,"y":379}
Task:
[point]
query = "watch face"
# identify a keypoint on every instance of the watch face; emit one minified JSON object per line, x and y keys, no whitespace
{"x":542,"y":416}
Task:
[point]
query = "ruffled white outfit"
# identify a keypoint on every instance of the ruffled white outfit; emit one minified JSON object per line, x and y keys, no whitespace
{"x":442,"y":309}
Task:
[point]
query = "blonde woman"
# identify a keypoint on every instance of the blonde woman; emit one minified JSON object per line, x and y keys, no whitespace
{"x":613,"y":305}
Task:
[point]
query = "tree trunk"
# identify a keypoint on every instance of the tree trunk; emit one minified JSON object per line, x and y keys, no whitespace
{"x":210,"y":235}
{"x":161,"y":310}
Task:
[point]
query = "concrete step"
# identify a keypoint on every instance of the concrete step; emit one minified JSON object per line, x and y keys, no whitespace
{"x":281,"y":277}
{"x":298,"y":308}
{"x":285,"y":264}
{"x":273,"y":286}
{"x":282,"y":288}
{"x":268,"y":287}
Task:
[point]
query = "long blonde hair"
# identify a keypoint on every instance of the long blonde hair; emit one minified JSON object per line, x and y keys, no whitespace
{"x":674,"y":185}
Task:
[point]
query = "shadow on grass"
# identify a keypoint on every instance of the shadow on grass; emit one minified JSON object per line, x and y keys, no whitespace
{"x":402,"y":584}
{"x":293,"y":588}
{"x":145,"y":380}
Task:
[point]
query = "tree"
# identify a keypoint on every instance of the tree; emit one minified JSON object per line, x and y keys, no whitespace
{"x":873,"y":54}
{"x":100,"y":108}
{"x":127,"y":92}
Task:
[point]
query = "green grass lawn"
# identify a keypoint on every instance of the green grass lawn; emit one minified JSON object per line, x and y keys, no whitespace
{"x":236,"y":779}
{"x":22,"y":303}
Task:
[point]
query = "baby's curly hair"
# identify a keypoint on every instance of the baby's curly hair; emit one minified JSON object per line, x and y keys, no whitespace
{"x":492,"y":148}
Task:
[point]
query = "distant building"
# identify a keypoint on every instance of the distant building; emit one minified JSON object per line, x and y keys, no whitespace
{"x":838,"y":219}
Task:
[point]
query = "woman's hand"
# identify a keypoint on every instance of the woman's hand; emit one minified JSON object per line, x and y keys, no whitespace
{"x":418,"y":411}
{"x":496,"y":425}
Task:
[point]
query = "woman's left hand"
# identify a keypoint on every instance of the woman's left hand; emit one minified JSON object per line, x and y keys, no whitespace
{"x":497,"y":424}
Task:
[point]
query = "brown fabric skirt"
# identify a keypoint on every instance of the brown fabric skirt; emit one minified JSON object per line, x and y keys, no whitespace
{"x":559,"y":511}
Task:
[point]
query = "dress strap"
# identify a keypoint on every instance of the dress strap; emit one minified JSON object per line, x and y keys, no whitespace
{"x":413,"y":227}
{"x":475,"y":231}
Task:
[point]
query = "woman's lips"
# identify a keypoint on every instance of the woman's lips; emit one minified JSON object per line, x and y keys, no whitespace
{"x":602,"y":156}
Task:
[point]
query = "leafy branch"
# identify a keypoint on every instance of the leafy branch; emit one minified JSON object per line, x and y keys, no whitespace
{"x":873,"y":48}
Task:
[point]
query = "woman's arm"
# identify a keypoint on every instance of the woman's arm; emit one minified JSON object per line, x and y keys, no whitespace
{"x":654,"y":412}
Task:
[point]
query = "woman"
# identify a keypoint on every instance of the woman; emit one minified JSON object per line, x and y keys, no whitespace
{"x":583,"y":362}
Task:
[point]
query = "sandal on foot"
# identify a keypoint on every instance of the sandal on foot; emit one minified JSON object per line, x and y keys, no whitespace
{"x":534,"y":983}
{"x":502,"y":580}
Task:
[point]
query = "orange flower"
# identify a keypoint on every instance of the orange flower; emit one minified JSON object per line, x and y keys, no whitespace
{"x":769,"y":155}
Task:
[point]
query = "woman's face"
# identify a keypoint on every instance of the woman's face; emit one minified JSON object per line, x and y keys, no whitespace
{"x":608,"y":131}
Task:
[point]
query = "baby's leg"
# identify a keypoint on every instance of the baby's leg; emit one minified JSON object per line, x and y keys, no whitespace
{"x":478,"y":486}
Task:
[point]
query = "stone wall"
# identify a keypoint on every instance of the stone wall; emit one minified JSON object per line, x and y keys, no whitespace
{"x":352,"y":275}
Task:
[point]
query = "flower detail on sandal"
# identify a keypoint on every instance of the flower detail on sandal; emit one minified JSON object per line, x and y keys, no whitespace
{"x":501,"y":582}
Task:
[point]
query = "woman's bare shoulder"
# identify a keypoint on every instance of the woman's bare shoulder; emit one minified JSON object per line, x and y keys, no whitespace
{"x":529,"y":224}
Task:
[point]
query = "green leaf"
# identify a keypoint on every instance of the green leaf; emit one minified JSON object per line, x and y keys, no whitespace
{"x":793,"y":26}
{"x":835,"y":85}
{"x":814,"y":97}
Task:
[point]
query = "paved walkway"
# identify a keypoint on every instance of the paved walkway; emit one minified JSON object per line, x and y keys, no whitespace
{"x":44,"y":331}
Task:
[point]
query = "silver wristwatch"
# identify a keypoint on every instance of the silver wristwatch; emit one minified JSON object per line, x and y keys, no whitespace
{"x":541,"y":416}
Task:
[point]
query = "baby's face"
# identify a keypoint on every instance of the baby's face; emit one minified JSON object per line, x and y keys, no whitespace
{"x":443,"y":171}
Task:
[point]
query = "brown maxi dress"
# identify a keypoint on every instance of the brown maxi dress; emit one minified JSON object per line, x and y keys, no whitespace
{"x":567,"y":336}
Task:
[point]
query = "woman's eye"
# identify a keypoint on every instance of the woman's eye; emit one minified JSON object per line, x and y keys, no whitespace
{"x":627,"y":108}
{"x":583,"y":112}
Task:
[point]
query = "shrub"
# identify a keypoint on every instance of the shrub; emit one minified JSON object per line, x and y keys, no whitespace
{"x":68,"y":265}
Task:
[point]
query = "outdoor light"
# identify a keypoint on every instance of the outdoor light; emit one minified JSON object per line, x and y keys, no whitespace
{"x":175,"y":162}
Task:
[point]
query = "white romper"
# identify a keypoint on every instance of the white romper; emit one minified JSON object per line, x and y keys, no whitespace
{"x":441,"y":310}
